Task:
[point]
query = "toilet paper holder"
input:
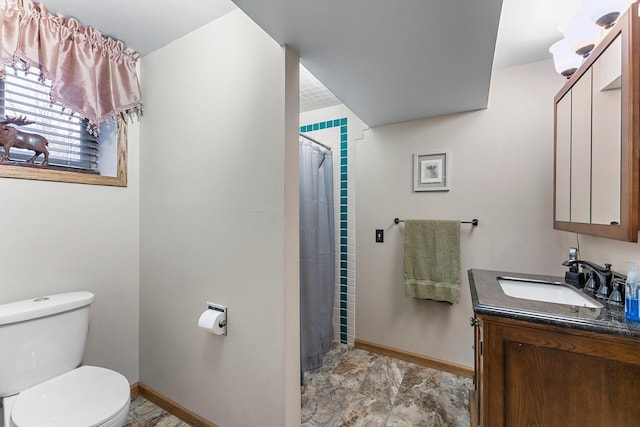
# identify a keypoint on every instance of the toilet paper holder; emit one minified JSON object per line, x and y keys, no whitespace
{"x":223,"y":309}
{"x":218,"y":307}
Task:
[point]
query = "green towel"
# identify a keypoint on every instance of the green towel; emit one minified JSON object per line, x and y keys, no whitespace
{"x":432,"y":260}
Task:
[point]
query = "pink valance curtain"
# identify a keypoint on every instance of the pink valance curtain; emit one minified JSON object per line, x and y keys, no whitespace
{"x":93,"y":75}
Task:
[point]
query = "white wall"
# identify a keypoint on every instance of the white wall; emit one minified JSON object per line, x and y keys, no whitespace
{"x":61,"y":237}
{"x":219,"y":223}
{"x":501,"y":173}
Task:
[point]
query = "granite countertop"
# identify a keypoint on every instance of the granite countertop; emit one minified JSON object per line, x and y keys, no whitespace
{"x":488,"y":298}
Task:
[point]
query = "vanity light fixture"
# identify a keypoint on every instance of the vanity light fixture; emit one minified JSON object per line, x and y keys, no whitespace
{"x":565,"y":60}
{"x":605,"y":13}
{"x":583,"y":32}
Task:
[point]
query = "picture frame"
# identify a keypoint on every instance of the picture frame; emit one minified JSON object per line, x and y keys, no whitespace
{"x":432,"y":171}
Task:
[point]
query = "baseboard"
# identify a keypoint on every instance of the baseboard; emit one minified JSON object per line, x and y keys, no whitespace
{"x":134,"y":390}
{"x":418,"y":359}
{"x":172,"y":407}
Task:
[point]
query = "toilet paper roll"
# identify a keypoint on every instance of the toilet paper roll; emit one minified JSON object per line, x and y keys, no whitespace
{"x":213,"y":321}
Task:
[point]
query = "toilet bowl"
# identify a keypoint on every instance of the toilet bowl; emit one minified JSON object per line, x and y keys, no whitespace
{"x":87,"y":396}
{"x":42,"y":382}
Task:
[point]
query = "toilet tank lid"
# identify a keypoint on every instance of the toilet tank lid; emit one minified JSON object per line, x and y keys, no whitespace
{"x":34,"y":308}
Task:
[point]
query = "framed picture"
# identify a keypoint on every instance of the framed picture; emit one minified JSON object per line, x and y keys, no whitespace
{"x":431,"y":171}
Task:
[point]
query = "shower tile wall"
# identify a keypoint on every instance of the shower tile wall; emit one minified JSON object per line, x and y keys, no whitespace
{"x":336,"y":133}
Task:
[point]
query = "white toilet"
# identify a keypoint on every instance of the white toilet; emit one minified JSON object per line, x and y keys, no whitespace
{"x":41,"y":385}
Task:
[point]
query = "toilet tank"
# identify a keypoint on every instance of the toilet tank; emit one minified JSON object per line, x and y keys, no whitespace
{"x":41,"y":338}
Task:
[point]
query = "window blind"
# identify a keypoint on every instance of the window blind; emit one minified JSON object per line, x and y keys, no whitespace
{"x":70,"y":145}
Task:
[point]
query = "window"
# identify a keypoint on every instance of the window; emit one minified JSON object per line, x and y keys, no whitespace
{"x":74,"y":154}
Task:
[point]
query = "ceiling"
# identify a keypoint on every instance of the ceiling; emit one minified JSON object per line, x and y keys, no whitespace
{"x":388,"y":61}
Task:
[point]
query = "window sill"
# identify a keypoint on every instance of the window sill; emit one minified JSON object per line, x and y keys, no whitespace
{"x":9,"y":171}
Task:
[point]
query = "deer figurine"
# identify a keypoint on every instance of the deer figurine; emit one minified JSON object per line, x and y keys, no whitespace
{"x":12,"y":137}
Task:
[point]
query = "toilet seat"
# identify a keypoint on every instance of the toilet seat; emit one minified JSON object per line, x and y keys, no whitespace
{"x":88,"y":396}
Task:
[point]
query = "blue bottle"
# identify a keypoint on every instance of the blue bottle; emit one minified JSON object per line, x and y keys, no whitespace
{"x":631,"y":295}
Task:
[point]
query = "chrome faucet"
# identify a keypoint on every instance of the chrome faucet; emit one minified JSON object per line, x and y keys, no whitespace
{"x":603,"y":275}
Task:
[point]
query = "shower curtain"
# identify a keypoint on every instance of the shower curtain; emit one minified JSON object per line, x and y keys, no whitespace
{"x":317,"y":254}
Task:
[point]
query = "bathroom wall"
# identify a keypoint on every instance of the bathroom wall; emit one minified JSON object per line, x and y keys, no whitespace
{"x":61,"y":237}
{"x":219,"y":223}
{"x":501,"y":173}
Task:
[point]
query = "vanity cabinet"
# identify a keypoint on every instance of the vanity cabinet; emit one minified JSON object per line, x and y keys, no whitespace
{"x":596,"y":160}
{"x":532,"y":374}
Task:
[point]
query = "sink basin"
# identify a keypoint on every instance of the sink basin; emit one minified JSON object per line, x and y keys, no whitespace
{"x":539,"y":290}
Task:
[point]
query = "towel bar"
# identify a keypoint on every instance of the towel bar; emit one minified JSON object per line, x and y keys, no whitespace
{"x":474,"y":221}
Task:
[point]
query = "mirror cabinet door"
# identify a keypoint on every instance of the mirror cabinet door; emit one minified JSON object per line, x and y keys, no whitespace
{"x":606,"y":139}
{"x":563,"y":159}
{"x":581,"y":149}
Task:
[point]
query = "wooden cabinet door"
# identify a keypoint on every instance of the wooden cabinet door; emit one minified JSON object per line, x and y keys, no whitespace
{"x":548,"y":385}
{"x":534,"y":375}
{"x":476,"y":393}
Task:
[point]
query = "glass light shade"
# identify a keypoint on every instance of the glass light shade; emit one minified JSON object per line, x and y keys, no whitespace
{"x":605,"y":12}
{"x":565,"y":59}
{"x":582,"y":34}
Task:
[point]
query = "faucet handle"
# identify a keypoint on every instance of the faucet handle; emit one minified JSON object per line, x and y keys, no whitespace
{"x":603,"y":290}
{"x":615,"y":297}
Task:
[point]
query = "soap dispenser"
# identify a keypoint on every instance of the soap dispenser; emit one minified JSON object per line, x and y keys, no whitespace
{"x":631,"y":295}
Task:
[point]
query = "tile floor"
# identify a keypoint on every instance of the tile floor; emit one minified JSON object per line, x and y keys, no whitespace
{"x":143,"y":413}
{"x":358,"y":388}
